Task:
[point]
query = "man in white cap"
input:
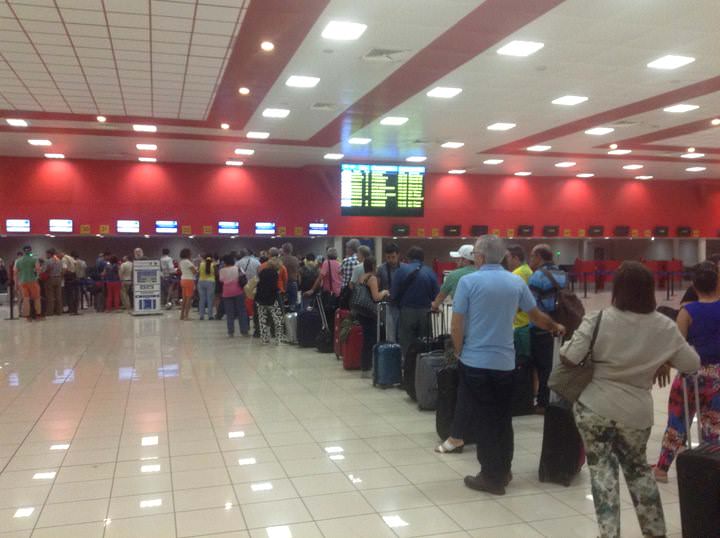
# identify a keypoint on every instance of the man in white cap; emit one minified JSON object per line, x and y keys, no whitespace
{"x":466,"y":266}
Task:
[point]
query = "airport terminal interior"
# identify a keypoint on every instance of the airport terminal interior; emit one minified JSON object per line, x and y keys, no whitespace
{"x":134,"y":130}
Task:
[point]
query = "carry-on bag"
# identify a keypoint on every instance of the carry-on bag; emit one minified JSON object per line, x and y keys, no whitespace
{"x":432,"y":341}
{"x":291,"y":323}
{"x":698,"y":476}
{"x":426,"y":387}
{"x":340,"y":316}
{"x":387,"y":358}
{"x":448,"y":379}
{"x":352,"y":348}
{"x":324,"y":342}
{"x":309,"y":324}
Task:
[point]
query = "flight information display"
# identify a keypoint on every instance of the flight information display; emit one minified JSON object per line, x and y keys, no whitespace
{"x":382,"y":190}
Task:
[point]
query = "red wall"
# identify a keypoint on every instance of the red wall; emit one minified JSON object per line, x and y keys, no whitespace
{"x":100,"y":192}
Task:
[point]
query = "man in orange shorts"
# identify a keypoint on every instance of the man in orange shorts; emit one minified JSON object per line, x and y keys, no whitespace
{"x":25,"y":269}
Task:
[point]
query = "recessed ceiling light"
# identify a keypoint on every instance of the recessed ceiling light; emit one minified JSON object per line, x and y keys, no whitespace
{"x":671,"y":61}
{"x":643,"y":177}
{"x":225,"y":126}
{"x":416,"y":159}
{"x":267,"y":46}
{"x":15,"y":122}
{"x":457,"y":171}
{"x":633,"y":167}
{"x":520,"y":48}
{"x":359,"y":141}
{"x":585,"y":175}
{"x":393,"y":120}
{"x":243,"y":151}
{"x":276,"y":113}
{"x":147,"y":159}
{"x":244,"y":91}
{"x":144,"y":128}
{"x":493,"y":162}
{"x":619,"y":152}
{"x":696,"y":169}
{"x":679,"y":109}
{"x":54,"y":156}
{"x":302,"y":81}
{"x":539,"y":147}
{"x":39,"y":142}
{"x":692,"y":155}
{"x":24,"y":512}
{"x":452,"y":145}
{"x":146,"y":147}
{"x":260,"y":135}
{"x":691,"y":150}
{"x":523,"y":174}
{"x":343,"y":30}
{"x":101,"y":119}
{"x":333,"y":156}
{"x":233,"y":163}
{"x":599,"y":131}
{"x":715,"y":122}
{"x":443,"y":92}
{"x":569,"y":100}
{"x":500,"y":126}
{"x":565,"y":164}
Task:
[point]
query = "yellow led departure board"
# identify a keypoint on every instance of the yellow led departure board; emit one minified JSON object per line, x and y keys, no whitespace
{"x":382,"y":190}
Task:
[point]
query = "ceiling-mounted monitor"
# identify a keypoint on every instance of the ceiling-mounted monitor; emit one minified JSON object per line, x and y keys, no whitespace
{"x":264,"y":228}
{"x":684,"y":231}
{"x":621,"y":231}
{"x":317,"y":228}
{"x":166,"y":226}
{"x":551,"y":231}
{"x":17,"y":225}
{"x":476,"y":230}
{"x":382,"y":190}
{"x":60,"y":225}
{"x":228,"y":227}
{"x":452,"y":230}
{"x":128,"y":227}
{"x":661,"y":231}
{"x":595,"y":230}
{"x":525,"y":230}
{"x":400,"y":230}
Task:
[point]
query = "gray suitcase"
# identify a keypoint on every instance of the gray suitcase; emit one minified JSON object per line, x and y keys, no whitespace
{"x":291,"y":327}
{"x":426,"y":386}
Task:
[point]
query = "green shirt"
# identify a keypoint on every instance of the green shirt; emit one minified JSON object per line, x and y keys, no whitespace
{"x":26,"y":268}
{"x":453,"y":277}
{"x":524,"y":272}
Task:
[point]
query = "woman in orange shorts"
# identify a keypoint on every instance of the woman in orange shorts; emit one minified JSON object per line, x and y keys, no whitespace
{"x":187,"y":282}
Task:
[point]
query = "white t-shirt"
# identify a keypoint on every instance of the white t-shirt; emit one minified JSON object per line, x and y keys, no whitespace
{"x":166,"y":265}
{"x":186,"y":270}
{"x":125,"y":271}
{"x":628,"y":351}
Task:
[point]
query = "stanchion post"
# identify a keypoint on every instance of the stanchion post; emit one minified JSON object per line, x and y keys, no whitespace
{"x":585,"y":275}
{"x":11,"y":298}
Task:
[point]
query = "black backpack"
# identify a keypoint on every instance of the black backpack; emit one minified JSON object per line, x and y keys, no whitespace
{"x":267,"y":287}
{"x":308,"y":276}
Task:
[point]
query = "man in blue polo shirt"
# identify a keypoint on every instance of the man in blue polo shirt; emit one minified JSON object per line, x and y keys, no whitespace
{"x":484,"y":307}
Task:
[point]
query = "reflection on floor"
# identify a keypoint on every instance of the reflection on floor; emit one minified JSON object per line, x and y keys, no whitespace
{"x":148,"y":427}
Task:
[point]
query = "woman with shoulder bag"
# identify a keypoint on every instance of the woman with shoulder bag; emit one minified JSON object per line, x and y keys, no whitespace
{"x":233,"y":280}
{"x":367,"y":291}
{"x":614,"y":413}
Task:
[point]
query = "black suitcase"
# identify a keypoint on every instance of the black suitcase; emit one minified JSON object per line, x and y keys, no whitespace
{"x":447,"y":381}
{"x":523,"y":397}
{"x":309,"y":325}
{"x":422,"y":345}
{"x":325,"y":339}
{"x":698,"y":475}
{"x":563,"y":453}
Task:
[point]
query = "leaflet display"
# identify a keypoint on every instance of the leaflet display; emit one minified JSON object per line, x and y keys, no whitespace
{"x":382,"y":190}
{"x":264,"y":228}
{"x":146,"y":287}
{"x":17,"y":225}
{"x":61,"y":225}
{"x":128,"y":226}
{"x":227,"y":227}
{"x":318,"y":228}
{"x":166,"y":226}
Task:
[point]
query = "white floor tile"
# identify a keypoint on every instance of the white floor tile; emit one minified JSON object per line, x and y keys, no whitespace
{"x":209,"y":521}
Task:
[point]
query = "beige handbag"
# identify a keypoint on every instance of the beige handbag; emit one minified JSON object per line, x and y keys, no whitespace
{"x":570,"y":381}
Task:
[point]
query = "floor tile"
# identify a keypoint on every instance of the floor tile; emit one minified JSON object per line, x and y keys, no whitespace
{"x":521,"y":530}
{"x":322,"y":484}
{"x":140,"y":505}
{"x":477,"y":514}
{"x":367,"y":526}
{"x":80,"y":491}
{"x":568,"y":527}
{"x":275,"y":513}
{"x":54,"y":515}
{"x":396,"y":498}
{"x":83,"y":530}
{"x":420,"y":522}
{"x":337,"y":505}
{"x":298,"y":530}
{"x":159,"y":526}
{"x":429,"y":472}
{"x":536,"y":507}
{"x":209,"y":521}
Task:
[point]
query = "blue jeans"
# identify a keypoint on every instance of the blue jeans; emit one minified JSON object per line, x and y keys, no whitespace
{"x":206,"y":291}
{"x":235,"y":309}
{"x":292,"y":294}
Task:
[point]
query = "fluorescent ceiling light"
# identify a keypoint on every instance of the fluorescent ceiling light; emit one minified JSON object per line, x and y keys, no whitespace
{"x":599,"y":131}
{"x":333,"y":156}
{"x":146,"y":147}
{"x":343,"y":30}
{"x":15,"y":122}
{"x":679,"y":109}
{"x":452,"y":145}
{"x":147,"y":159}
{"x":523,"y":174}
{"x":671,"y":61}
{"x":565,"y":164}
{"x":144,"y":128}
{"x":457,"y":171}
{"x":500,"y":126}
{"x":539,"y":147}
{"x":24,"y":512}
{"x":569,"y":100}
{"x":443,"y":92}
{"x":643,"y":177}
{"x":692,"y":155}
{"x":243,"y":151}
{"x":632,"y":167}
{"x":54,"y":156}
{"x":150,"y":440}
{"x":44,"y":476}
{"x":243,"y":90}
{"x":225,"y":126}
{"x":233,"y":163}
{"x":151,"y":503}
{"x":393,"y":120}
{"x":520,"y":48}
{"x":395,"y":522}
{"x":696,"y":169}
{"x":613,"y":146}
{"x":276,"y":113}
{"x":619,"y":152}
{"x":267,"y":46}
{"x":585,"y":175}
{"x":39,"y":142}
{"x":416,"y":159}
{"x":63,"y":446}
{"x":359,"y":141}
{"x":493,"y":161}
{"x":260,"y":135}
{"x":301,"y":81}
{"x":101,"y":119}
{"x":715,"y":122}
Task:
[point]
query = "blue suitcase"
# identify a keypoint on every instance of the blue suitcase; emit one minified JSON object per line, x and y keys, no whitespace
{"x":387,"y":360}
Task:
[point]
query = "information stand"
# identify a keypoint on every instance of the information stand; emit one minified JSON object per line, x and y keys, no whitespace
{"x":146,"y":287}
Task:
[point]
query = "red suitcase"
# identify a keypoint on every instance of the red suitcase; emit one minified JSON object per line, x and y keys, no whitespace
{"x":340,"y":315}
{"x":352,"y":348}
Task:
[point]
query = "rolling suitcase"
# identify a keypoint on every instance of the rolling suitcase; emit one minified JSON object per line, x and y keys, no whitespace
{"x":523,"y":398}
{"x":387,"y":359}
{"x":698,"y":475}
{"x":447,"y":383}
{"x":563,"y":454}
{"x":291,"y":323}
{"x":324,"y":341}
{"x":426,"y":386}
{"x":309,"y":325}
{"x":418,"y":347}
{"x":340,"y":315}
{"x":352,"y":348}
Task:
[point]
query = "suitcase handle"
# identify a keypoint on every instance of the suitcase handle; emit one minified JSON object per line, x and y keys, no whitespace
{"x":686,"y":405}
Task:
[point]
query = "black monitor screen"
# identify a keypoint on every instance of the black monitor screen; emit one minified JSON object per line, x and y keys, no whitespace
{"x":382,"y":190}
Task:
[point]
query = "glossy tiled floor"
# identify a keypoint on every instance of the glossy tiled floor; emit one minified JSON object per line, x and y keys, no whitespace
{"x":129,"y":427}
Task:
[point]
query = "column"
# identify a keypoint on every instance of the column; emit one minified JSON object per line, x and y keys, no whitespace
{"x":378,"y":250}
{"x":338,"y":244}
{"x":676,"y":248}
{"x":702,"y":249}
